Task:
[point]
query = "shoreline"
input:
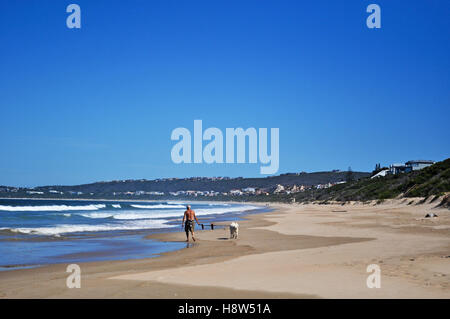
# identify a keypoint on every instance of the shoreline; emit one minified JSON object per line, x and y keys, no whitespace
{"x":87,"y":256}
{"x":295,"y":251}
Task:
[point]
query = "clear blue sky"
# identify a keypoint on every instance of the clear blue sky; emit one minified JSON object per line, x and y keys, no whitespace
{"x":100,"y":103}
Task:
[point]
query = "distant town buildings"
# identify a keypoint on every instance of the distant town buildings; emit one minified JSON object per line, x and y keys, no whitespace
{"x":245,"y":191}
{"x":279,"y":189}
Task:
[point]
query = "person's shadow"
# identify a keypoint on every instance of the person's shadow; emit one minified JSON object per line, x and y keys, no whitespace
{"x":222,"y":238}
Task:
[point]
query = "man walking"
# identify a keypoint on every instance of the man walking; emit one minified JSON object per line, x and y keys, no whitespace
{"x":189,"y":223}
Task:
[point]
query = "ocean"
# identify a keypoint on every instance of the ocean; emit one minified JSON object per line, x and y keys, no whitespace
{"x":39,"y":232}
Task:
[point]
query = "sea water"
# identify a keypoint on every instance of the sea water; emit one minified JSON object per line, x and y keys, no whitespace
{"x":39,"y":232}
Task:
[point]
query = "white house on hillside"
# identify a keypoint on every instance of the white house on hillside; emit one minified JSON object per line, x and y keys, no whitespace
{"x":419,"y":164}
{"x":381,"y":173}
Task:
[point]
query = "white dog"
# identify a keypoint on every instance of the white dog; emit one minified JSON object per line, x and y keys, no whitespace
{"x":234,"y":230}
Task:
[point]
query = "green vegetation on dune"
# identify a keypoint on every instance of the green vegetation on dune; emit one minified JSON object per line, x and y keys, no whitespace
{"x":432,"y":180}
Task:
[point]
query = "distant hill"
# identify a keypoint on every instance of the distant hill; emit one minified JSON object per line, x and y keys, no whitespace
{"x":102,"y":189}
{"x":430,"y":181}
{"x":208,"y":184}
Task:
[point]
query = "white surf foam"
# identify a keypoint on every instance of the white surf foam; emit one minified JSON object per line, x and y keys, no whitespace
{"x":157,"y":206}
{"x":65,"y":228}
{"x":121,"y":215}
{"x":178,"y":213}
{"x":151,"y":214}
{"x":133,"y":216}
{"x":116,"y":206}
{"x":126,"y":215}
{"x":97,"y":215}
{"x":53,"y":208}
{"x":224,"y":210}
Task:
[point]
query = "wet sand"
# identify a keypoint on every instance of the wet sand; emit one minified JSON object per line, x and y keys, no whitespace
{"x":296,"y":251}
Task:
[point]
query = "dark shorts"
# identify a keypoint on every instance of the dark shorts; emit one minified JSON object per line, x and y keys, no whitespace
{"x":189,"y":226}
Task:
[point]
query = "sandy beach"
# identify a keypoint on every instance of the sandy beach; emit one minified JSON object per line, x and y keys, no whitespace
{"x":295,"y":251}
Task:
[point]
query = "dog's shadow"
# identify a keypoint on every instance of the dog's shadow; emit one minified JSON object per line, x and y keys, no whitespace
{"x":223,"y":238}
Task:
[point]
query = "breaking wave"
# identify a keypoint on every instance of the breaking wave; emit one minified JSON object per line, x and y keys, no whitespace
{"x":166,"y":214}
{"x":157,"y":206}
{"x":97,"y":215}
{"x":65,"y":228}
{"x":52,"y":208}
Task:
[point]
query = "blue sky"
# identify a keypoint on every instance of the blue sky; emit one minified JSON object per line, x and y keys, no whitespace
{"x":100,"y":103}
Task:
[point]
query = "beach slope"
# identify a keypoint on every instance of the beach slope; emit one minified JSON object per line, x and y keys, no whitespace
{"x":296,"y":251}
